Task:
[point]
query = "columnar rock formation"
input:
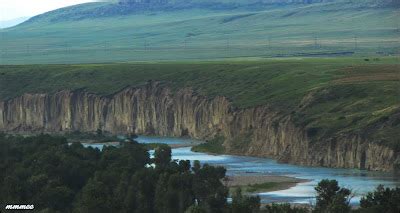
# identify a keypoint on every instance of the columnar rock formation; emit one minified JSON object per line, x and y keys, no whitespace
{"x":157,"y":110}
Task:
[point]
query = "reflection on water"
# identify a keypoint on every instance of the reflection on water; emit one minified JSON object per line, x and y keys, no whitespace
{"x":359,"y":181}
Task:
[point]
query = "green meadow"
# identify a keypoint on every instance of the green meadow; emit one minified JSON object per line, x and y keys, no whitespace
{"x":83,"y":34}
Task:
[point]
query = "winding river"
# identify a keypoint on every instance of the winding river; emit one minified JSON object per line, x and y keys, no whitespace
{"x":359,"y":181}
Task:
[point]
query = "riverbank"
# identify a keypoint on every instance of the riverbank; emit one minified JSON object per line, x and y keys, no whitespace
{"x":262,"y":183}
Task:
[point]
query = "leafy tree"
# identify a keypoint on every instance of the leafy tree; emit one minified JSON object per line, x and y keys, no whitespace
{"x":196,"y":166}
{"x":162,"y":156}
{"x":99,"y":132}
{"x":144,"y":182}
{"x":161,"y":192}
{"x":381,"y":200}
{"x":331,"y":198}
{"x":95,"y":198}
{"x":284,"y":208}
{"x":244,"y":204}
{"x":180,"y":193}
{"x":57,"y":198}
{"x":196,"y":209}
{"x":208,"y":188}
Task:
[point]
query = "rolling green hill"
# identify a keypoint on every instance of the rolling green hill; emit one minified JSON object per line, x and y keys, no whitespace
{"x":198,"y":30}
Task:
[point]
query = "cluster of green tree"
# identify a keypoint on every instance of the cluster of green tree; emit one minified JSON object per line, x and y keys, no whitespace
{"x":99,"y":136}
{"x":212,"y":146}
{"x":56,"y":177}
{"x":331,"y":198}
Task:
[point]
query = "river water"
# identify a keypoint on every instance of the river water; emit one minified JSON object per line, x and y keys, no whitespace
{"x":360,"y":182}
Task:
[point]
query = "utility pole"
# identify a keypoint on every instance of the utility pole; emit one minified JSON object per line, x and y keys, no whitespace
{"x":3,"y":51}
{"x":227,"y":43}
{"x":269,"y":42}
{"x":355,"y":43}
{"x":268,"y":45}
{"x":315,"y":42}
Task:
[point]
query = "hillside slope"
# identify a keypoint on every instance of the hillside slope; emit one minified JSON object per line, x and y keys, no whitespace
{"x":322,"y":112}
{"x":112,"y":32}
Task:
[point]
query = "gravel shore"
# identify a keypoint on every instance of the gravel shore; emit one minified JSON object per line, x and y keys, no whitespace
{"x":279,"y":182}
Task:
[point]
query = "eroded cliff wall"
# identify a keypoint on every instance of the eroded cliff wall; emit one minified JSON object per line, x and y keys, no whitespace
{"x":157,"y":110}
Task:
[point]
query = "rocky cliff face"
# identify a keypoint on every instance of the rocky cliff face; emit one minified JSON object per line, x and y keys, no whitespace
{"x":154,"y":109}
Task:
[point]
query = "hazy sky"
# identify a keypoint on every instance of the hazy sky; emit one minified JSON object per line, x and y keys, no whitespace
{"x":10,"y":9}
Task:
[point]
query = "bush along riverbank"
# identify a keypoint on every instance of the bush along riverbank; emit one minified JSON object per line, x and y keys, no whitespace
{"x":57,"y":177}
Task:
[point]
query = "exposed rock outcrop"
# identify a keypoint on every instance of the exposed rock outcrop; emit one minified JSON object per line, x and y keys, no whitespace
{"x":157,"y":110}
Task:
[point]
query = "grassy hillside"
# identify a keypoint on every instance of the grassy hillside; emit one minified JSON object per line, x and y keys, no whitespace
{"x":106,"y":32}
{"x":328,"y":97}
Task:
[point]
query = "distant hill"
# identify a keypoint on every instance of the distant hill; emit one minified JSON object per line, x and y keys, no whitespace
{"x":12,"y":22}
{"x":242,"y":2}
{"x":202,"y":30}
{"x":130,"y":7}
